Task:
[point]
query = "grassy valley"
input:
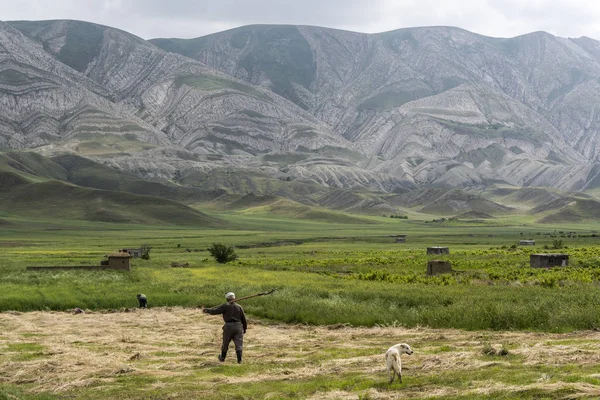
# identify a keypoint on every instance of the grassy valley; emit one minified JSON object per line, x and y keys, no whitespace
{"x":341,"y":282}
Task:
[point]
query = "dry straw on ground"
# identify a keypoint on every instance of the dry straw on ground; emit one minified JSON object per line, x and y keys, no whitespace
{"x":72,"y":352}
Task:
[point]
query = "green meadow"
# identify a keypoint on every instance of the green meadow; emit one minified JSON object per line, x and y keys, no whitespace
{"x":324,"y":272}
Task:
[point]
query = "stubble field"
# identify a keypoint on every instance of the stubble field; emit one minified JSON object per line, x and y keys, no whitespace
{"x":171,"y":353}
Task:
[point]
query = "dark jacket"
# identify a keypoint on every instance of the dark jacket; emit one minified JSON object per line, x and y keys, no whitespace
{"x":232,"y":312}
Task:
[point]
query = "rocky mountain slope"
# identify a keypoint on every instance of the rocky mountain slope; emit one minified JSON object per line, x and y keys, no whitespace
{"x":185,"y":104}
{"x":43,"y":100}
{"x":439,"y":104}
{"x":279,"y":109}
{"x":194,"y":106}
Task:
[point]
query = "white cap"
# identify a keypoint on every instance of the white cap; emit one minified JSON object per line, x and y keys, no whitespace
{"x":230,"y":295}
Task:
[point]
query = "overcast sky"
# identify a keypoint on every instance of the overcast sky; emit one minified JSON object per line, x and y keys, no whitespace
{"x":193,"y":18}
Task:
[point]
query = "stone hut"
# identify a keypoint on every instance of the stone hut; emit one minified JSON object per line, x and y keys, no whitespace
{"x":135,"y":253}
{"x":548,"y":260}
{"x":400,"y":238}
{"x":119,"y":261}
{"x":436,"y":267}
{"x":527,"y":242}
{"x":438,"y":250}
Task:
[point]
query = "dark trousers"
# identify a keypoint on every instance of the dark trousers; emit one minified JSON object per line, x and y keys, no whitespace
{"x":233,"y":331}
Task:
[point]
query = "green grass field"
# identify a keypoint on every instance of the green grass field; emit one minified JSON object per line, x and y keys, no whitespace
{"x":353,"y":272}
{"x":326,"y":274}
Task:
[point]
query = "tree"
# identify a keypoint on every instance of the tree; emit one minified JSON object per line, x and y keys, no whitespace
{"x":557,"y":244}
{"x":145,"y":248}
{"x":222,"y":253}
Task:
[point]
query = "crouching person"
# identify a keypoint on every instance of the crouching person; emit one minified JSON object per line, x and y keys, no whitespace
{"x":235,"y":325}
{"x":142,"y":300}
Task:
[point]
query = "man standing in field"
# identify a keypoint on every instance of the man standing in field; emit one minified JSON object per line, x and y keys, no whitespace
{"x":235,"y":325}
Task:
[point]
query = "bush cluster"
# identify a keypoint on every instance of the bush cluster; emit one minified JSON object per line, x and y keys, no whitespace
{"x":222,"y":253}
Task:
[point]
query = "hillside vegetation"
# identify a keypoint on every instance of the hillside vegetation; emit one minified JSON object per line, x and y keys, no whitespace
{"x":61,"y":200}
{"x":37,"y":187}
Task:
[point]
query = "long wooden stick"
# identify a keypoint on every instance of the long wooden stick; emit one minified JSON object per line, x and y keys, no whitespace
{"x":247,"y":297}
{"x":254,"y":295}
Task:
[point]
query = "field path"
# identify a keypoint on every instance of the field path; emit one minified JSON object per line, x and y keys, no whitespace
{"x":172,"y":353}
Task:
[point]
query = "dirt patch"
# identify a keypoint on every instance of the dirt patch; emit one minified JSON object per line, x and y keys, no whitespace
{"x":59,"y":352}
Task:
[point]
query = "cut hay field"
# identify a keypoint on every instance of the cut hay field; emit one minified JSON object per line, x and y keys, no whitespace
{"x":168,"y":353}
{"x":345,"y":293}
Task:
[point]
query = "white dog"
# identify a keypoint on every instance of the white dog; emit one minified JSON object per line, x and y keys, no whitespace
{"x":392,"y":360}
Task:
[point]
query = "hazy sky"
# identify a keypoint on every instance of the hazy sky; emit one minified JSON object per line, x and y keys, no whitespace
{"x":193,"y":18}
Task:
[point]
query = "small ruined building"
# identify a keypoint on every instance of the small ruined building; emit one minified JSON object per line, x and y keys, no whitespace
{"x":527,"y":242}
{"x":438,"y":250}
{"x":399,"y":238}
{"x":548,"y":260}
{"x":135,"y":253}
{"x":118,"y":261}
{"x":436,"y":267}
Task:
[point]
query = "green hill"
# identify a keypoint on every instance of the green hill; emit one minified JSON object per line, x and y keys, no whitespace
{"x":529,"y":196}
{"x":32,"y":164}
{"x":474,"y":215}
{"x":32,"y":167}
{"x":84,"y":172}
{"x":56,"y":199}
{"x":10,"y":180}
{"x":569,"y":209}
{"x":289,"y":208}
{"x":451,"y":202}
{"x":352,"y":201}
{"x":418,"y":197}
{"x":252,"y":200}
{"x":5,"y":222}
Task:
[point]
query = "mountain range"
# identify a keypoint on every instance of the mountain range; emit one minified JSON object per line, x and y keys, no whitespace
{"x":291,"y":110}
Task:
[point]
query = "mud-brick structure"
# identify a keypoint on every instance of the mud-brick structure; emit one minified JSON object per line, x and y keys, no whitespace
{"x":527,"y":242}
{"x":118,"y":261}
{"x":400,"y":238}
{"x":135,"y":253}
{"x":438,"y":250}
{"x":436,"y":267}
{"x":548,"y":260}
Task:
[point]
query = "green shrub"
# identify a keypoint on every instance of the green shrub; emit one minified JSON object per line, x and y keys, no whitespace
{"x":222,"y":253}
{"x":145,"y":251}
